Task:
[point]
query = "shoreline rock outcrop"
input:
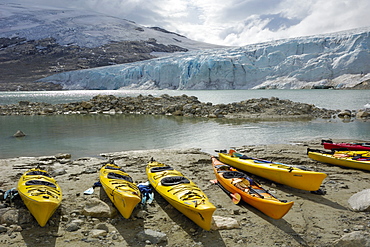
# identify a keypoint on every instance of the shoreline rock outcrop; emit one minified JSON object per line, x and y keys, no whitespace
{"x":189,"y":106}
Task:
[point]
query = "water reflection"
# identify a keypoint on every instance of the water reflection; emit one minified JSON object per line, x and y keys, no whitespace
{"x":90,"y":135}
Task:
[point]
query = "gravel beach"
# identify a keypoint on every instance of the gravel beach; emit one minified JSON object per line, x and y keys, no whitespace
{"x":314,"y":220}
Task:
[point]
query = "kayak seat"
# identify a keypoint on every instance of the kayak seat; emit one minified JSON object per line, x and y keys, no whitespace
{"x":222,"y":168}
{"x":160,"y":169}
{"x":114,"y":168}
{"x":40,"y":182}
{"x":113,"y":175}
{"x":174,"y":180}
{"x":233,"y":174}
{"x":245,"y":157}
{"x":257,"y":191}
{"x":39,"y":173}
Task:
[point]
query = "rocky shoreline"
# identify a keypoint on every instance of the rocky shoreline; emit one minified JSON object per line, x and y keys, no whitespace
{"x":91,"y":220}
{"x":189,"y":106}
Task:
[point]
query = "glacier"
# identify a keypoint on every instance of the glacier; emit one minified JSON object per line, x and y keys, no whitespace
{"x":337,"y":60}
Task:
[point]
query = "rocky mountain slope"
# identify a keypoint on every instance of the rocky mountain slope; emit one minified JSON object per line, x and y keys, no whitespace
{"x":36,"y":42}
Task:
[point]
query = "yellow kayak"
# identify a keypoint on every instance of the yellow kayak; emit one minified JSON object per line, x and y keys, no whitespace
{"x":277,"y":172}
{"x":181,"y":193}
{"x":40,"y":193}
{"x":120,"y":189}
{"x":250,"y":191}
{"x":351,"y":159}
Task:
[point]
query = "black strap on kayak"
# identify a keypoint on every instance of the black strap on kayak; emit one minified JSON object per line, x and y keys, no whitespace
{"x":40,"y":182}
{"x":233,"y":174}
{"x":245,"y":157}
{"x":113,"y":175}
{"x":38,"y":173}
{"x":174,"y":180}
{"x":160,"y":169}
{"x":320,"y":151}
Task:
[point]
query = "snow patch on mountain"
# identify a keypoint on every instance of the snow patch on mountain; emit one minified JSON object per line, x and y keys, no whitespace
{"x":338,"y":60}
{"x":84,"y":28}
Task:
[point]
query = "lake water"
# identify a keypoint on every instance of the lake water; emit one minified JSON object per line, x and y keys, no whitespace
{"x":90,"y":135}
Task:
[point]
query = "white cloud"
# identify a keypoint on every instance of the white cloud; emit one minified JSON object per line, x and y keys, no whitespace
{"x":234,"y":22}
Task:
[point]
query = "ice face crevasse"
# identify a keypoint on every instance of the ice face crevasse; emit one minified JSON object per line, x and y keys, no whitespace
{"x":337,"y":60}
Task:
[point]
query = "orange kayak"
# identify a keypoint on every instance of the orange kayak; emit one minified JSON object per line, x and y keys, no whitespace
{"x":250,"y":191}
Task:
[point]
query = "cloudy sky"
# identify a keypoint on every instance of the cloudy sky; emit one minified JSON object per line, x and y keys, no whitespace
{"x":234,"y":22}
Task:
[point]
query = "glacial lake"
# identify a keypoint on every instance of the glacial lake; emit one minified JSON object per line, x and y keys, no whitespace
{"x":90,"y":135}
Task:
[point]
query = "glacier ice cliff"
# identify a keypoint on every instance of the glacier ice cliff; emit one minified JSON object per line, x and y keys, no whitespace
{"x":337,"y":60}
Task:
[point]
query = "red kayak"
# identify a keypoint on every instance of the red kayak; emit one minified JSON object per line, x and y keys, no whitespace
{"x":346,"y":146}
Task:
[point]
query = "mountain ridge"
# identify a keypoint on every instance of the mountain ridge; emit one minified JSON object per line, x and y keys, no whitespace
{"x":38,"y":41}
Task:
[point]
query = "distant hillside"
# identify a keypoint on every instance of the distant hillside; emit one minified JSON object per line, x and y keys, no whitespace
{"x":36,"y":42}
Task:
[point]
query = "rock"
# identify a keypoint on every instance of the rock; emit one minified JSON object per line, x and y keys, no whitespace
{"x":141,"y":214}
{"x":224,"y":223}
{"x":63,"y":156}
{"x":87,"y":104}
{"x":345,"y":113}
{"x":23,"y":103}
{"x":153,"y":236}
{"x":96,"y":233}
{"x":3,"y":229}
{"x":58,"y":172}
{"x":48,"y":110}
{"x":91,"y":161}
{"x":16,"y":228}
{"x":360,"y":201}
{"x":362,"y":114}
{"x":178,"y":113}
{"x":19,"y":133}
{"x":10,"y":216}
{"x":102,"y":226}
{"x":72,"y":227}
{"x":90,"y":170}
{"x":353,"y":239}
{"x":97,"y":208}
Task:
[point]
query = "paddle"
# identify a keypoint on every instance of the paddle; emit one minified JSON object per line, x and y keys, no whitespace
{"x":90,"y":191}
{"x":235,"y":197}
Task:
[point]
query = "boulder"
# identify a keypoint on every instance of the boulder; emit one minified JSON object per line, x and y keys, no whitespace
{"x":96,"y":233}
{"x":102,"y":226}
{"x":224,"y":223}
{"x":97,"y":208}
{"x":153,"y":236}
{"x":87,"y":104}
{"x":353,"y":239}
{"x":3,"y":229}
{"x":362,"y":114}
{"x":63,"y":156}
{"x":9,"y":216}
{"x":360,"y":201}
{"x":19,"y":133}
{"x":344,"y":113}
{"x":72,"y":227}
{"x":23,"y":103}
